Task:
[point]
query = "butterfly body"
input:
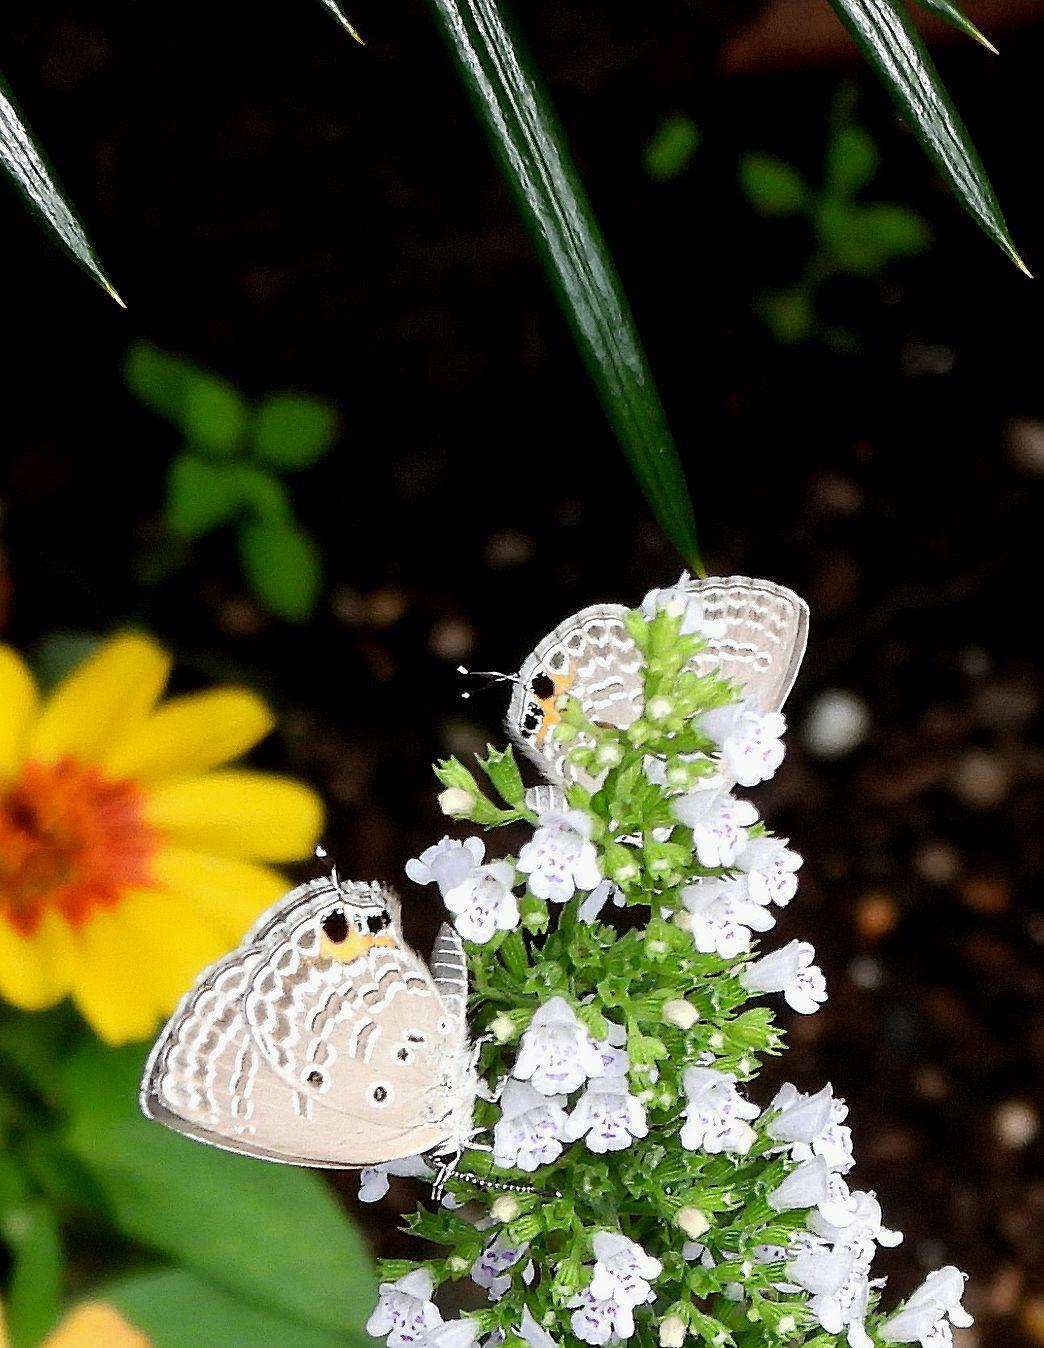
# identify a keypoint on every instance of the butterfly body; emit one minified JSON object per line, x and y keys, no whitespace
{"x":324,"y":1040}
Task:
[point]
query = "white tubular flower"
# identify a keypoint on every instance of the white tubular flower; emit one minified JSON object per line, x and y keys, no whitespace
{"x":813,"y":1185}
{"x":715,"y":1113}
{"x":491,"y":1269}
{"x":462,"y":1333}
{"x":533,"y":1333}
{"x":483,"y":903}
{"x":592,"y":906}
{"x":623,"y":1270}
{"x":405,"y":1311}
{"x":749,"y":741}
{"x":607,"y":1116}
{"x":597,"y":1321}
{"x":680,"y":602}
{"x":721,"y":917}
{"x":718,"y":821}
{"x":373,"y":1180}
{"x":801,"y":1118}
{"x":531,"y":1128}
{"x":791,"y":972}
{"x":769,"y":868}
{"x":840,"y":1292}
{"x":616,"y":1061}
{"x":672,"y":1332}
{"x":447,"y":863}
{"x":556,"y":1053}
{"x":833,"y":1143}
{"x":865,"y":1230}
{"x":927,"y":1316}
{"x":560,"y":857}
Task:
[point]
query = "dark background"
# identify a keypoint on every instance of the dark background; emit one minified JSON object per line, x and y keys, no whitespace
{"x":294,"y":211}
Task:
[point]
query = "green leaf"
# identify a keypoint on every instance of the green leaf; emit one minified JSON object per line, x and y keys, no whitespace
{"x":282,"y":563}
{"x":209,"y":411}
{"x":533,"y":155}
{"x":862,"y":239}
{"x":23,"y":161}
{"x":897,"y":53}
{"x":502,"y":770}
{"x":34,"y":1290}
{"x":176,"y":1309}
{"x":291,"y":431}
{"x":788,"y":314}
{"x":952,"y":15}
{"x":270,"y":1235}
{"x":774,"y":187}
{"x":851,"y":160}
{"x":203,"y":494}
{"x":669,"y":152}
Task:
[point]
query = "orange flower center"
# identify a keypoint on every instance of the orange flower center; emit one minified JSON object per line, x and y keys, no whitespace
{"x":72,"y":840}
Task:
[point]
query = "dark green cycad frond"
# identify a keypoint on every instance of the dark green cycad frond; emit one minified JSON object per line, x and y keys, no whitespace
{"x":23,"y":162}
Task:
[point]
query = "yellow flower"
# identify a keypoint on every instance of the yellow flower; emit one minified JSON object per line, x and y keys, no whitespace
{"x":91,"y":1325}
{"x":127,"y":862}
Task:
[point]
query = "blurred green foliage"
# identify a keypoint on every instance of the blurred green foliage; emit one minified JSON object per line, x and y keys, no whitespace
{"x":229,"y":471}
{"x":669,"y":151}
{"x":196,"y":1246}
{"x":850,"y":236}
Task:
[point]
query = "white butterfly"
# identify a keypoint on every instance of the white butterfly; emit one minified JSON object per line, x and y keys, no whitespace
{"x":323,"y":1040}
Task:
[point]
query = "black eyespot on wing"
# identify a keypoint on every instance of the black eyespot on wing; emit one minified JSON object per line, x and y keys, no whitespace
{"x":377,"y":921}
{"x":531,"y":722}
{"x":380,"y":1094}
{"x":314,"y":1078}
{"x":542,"y":687}
{"x":335,"y":926}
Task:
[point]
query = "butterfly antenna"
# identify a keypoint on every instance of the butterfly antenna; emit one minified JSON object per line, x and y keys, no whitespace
{"x":321,"y":854}
{"x":493,"y":676}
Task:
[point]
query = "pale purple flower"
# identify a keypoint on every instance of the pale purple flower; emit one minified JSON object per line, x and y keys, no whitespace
{"x":607,"y":1116}
{"x":531,"y":1128}
{"x":927,"y":1316}
{"x":623,"y":1271}
{"x":840,"y":1292}
{"x":681,"y":602}
{"x":790,"y":971}
{"x":556,"y":1053}
{"x":722,"y":917}
{"x":462,"y":1333}
{"x":483,"y":903}
{"x":491,"y":1269}
{"x":560,"y":858}
{"x":812,"y":1184}
{"x":598,"y":1322}
{"x":447,"y":863}
{"x":405,"y":1311}
{"x":863,"y":1231}
{"x":769,"y":867}
{"x":800,"y":1118}
{"x":373,"y":1179}
{"x":716,"y":1112}
{"x":749,"y":741}
{"x":719,"y":823}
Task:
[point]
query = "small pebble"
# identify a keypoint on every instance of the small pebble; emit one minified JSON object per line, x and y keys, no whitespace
{"x":837,"y":722}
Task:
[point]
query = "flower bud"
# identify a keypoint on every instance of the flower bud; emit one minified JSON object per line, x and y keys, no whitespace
{"x":681,"y":1013}
{"x":682,"y":920}
{"x":672,"y":1332}
{"x":609,"y":754}
{"x":505,"y":1208}
{"x":502,"y":1029}
{"x":456,"y":1266}
{"x":455,"y":801}
{"x":693,"y":1221}
{"x":659,"y":709}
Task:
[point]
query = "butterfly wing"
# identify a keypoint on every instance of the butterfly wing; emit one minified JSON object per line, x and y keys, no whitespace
{"x":593,"y":658}
{"x":273,"y":1052}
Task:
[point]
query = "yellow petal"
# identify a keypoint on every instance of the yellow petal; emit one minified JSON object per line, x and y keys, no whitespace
{"x":108,"y":695}
{"x":113,"y":979}
{"x":191,"y":734}
{"x":34,"y":970}
{"x":175,"y":941}
{"x":93,"y":1325}
{"x":232,"y":893}
{"x":18,"y":703}
{"x":239,"y":814}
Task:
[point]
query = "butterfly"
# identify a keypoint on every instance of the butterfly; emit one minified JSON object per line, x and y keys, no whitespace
{"x":758,"y":636}
{"x":323,"y":1039}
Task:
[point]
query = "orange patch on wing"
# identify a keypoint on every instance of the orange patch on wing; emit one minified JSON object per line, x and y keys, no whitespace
{"x":354,"y":945}
{"x":550,"y":715}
